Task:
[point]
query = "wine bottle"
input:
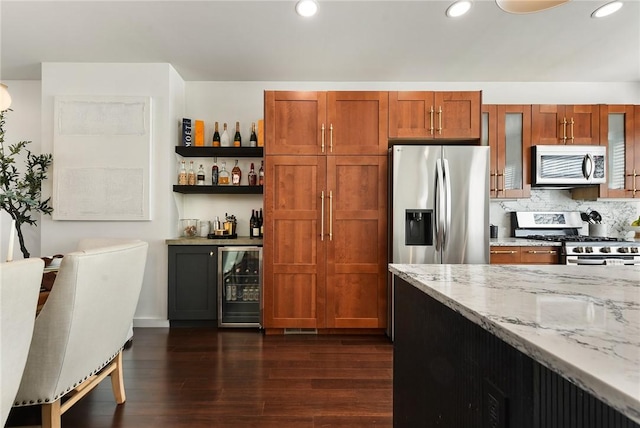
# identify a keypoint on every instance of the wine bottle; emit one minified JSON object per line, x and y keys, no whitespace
{"x":200,"y":176}
{"x":252,"y":224}
{"x":261,"y":220}
{"x":191,"y":175}
{"x":216,"y":136}
{"x":182,"y":174}
{"x":223,"y":176}
{"x":236,"y":174}
{"x":224,"y":140}
{"x":252,"y":176}
{"x":253,"y":140}
{"x":214,"y":172}
{"x":237,"y":139}
{"x":261,"y":174}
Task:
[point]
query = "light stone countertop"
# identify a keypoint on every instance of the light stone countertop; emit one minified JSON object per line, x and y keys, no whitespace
{"x":582,"y":322}
{"x":521,"y":242}
{"x":240,"y":240}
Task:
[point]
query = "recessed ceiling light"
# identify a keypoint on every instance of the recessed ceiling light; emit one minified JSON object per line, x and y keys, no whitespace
{"x":459,"y":8}
{"x":306,"y":8}
{"x":607,"y":9}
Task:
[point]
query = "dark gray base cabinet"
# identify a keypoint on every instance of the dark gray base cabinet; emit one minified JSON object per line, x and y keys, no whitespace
{"x":192,"y":282}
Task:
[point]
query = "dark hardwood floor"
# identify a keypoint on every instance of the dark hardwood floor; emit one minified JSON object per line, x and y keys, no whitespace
{"x":204,"y":377}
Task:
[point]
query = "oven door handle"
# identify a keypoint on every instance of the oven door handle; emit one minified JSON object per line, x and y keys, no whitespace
{"x":600,"y":262}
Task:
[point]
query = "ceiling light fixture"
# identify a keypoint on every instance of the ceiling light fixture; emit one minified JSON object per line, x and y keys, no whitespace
{"x":607,"y":9}
{"x":5,"y":98}
{"x":528,"y":6}
{"x":306,"y":8}
{"x":459,"y":8}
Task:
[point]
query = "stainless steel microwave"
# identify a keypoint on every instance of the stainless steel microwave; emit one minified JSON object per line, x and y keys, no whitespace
{"x":568,"y":165}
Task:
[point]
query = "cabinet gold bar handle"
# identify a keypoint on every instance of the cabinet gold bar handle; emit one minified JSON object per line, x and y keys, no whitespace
{"x":503,"y":180}
{"x":494,"y":176}
{"x":542,"y":252}
{"x":503,"y":252}
{"x":322,"y":216}
{"x":564,"y":130}
{"x":331,"y":138}
{"x":431,"y":120}
{"x":330,"y":215}
{"x":571,"y":123}
{"x":322,"y":138}
{"x":633,"y":177}
{"x":439,"y":120}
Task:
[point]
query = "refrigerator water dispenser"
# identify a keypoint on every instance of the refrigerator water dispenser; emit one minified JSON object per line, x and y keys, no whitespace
{"x":418,"y":227}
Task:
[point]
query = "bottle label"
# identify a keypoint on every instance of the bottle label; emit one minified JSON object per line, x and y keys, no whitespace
{"x":182,"y":178}
{"x":256,"y":231}
{"x":214,"y":176}
{"x":236,"y":179}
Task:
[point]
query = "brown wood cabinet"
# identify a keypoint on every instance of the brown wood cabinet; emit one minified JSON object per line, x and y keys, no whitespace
{"x":507,"y":130}
{"x":565,"y":124}
{"x":320,"y":123}
{"x":325,"y":230}
{"x":620,"y":132}
{"x":435,"y":115}
{"x":546,"y":255}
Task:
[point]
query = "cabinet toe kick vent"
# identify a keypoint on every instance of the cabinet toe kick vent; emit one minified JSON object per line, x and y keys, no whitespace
{"x":300,"y":331}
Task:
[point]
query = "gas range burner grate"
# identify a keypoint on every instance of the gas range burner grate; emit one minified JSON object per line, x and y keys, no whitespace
{"x":573,"y":238}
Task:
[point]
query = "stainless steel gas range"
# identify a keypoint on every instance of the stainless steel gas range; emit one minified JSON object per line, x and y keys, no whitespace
{"x":576,"y":249}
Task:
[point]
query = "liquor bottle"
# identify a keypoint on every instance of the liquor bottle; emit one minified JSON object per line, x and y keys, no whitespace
{"x":261,"y":219}
{"x":253,"y":140}
{"x":191,"y":175}
{"x":216,"y":137}
{"x":214,"y":172}
{"x":261,"y":174}
{"x":252,"y":177}
{"x":200,"y":176}
{"x":224,"y":140}
{"x":223,"y":176}
{"x":182,"y":174}
{"x":252,"y":224}
{"x":236,"y":174}
{"x":237,"y":139}
{"x":256,"y":227}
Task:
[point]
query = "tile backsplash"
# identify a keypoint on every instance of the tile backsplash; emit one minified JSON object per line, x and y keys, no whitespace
{"x":615,"y":214}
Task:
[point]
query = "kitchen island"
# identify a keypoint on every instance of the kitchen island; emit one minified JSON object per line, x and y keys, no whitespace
{"x":516,"y":346}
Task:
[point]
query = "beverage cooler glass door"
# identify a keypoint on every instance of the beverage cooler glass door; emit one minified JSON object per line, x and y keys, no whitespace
{"x":240,"y":286}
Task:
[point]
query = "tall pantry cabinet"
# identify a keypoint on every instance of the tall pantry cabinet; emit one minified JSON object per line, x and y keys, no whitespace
{"x":325,"y":196}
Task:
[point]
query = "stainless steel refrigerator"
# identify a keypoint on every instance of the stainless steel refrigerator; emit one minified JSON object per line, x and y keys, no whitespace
{"x":439,"y":206}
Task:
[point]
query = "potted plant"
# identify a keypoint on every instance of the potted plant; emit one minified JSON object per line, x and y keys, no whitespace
{"x":20,"y":195}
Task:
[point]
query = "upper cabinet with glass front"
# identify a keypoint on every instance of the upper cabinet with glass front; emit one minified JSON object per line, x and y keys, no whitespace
{"x":619,"y":131}
{"x":507,"y":130}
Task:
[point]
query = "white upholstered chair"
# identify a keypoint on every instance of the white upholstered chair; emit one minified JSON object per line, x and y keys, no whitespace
{"x":80,"y":332}
{"x":19,"y":286}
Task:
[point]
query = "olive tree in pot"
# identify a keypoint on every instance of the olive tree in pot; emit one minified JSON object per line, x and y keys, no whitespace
{"x":20,"y":195}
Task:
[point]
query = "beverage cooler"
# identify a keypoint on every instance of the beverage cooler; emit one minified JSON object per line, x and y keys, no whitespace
{"x":239,"y":286}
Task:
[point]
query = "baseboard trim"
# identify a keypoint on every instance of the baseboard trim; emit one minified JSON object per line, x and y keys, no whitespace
{"x":150,"y":323}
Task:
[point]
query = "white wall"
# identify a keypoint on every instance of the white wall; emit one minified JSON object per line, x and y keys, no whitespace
{"x":22,"y":124}
{"x":226,"y":101}
{"x":166,"y":88}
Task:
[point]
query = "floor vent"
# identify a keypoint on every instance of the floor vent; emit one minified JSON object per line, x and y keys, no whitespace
{"x":300,"y":331}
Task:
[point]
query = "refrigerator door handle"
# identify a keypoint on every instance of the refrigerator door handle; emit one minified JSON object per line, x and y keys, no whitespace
{"x":447,"y":200}
{"x":439,"y":191}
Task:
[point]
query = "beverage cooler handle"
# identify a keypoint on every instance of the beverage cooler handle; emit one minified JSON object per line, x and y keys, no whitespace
{"x":439,"y":189}
{"x":447,"y":203}
{"x":587,"y":166}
